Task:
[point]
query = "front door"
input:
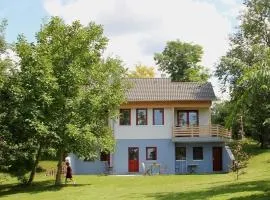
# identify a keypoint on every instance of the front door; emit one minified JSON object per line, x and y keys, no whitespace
{"x":133,"y":159}
{"x":217,"y":158}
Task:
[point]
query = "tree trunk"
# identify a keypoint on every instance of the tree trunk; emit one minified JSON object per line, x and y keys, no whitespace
{"x":59,"y":167}
{"x":33,"y":172}
{"x":261,"y":141}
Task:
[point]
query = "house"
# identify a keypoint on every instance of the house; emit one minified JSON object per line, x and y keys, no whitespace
{"x":168,"y":125}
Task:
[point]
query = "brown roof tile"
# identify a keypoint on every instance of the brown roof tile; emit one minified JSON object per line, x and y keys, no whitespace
{"x":163,"y":89}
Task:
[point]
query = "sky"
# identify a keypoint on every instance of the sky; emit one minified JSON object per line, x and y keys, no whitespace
{"x":136,"y":28}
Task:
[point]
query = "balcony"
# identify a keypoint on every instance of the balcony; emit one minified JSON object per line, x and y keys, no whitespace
{"x":201,"y":133}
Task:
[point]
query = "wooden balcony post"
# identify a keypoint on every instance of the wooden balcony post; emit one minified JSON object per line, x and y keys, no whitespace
{"x":173,"y":122}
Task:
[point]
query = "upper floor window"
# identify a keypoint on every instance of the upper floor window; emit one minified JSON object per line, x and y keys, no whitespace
{"x":197,"y":153}
{"x":187,"y":117}
{"x":125,"y":115}
{"x":141,"y":116}
{"x":158,"y":116}
{"x":151,"y":153}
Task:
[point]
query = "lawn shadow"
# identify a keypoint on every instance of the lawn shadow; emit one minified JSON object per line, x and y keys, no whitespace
{"x":37,"y":187}
{"x":262,"y":189}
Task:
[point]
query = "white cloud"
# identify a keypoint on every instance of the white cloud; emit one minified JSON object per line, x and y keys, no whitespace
{"x":138,"y":29}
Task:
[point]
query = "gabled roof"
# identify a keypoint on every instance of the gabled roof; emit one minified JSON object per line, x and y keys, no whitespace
{"x":163,"y":89}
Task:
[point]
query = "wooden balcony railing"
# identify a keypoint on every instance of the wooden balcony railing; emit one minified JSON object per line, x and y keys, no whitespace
{"x":212,"y":130}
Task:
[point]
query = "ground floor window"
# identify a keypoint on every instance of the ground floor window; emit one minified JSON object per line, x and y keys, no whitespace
{"x":197,"y":153}
{"x":104,"y":156}
{"x":151,"y":153}
{"x":180,"y":153}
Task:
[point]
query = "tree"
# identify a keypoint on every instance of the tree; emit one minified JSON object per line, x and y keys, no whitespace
{"x":241,"y":158}
{"x":66,"y":91}
{"x":9,"y":153}
{"x":142,"y":71}
{"x":181,"y":60}
{"x":254,"y":100}
{"x":247,"y":58}
{"x":221,"y":114}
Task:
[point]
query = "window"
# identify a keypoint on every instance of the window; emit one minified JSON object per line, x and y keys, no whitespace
{"x":158,"y":116}
{"x":187,"y":118}
{"x":151,"y":153}
{"x":197,"y":153}
{"x":180,"y":153}
{"x":125,"y":116}
{"x":141,"y":116}
{"x":104,"y":156}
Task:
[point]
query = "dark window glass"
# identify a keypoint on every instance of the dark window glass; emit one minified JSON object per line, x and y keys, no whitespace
{"x":197,"y":153}
{"x":180,"y":153}
{"x":151,"y":153}
{"x":125,"y":116}
{"x":141,"y":116}
{"x":158,"y":116}
{"x":104,"y":156}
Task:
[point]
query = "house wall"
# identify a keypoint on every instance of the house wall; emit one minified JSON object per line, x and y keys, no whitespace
{"x":148,"y":131}
{"x":205,"y":165}
{"x":159,"y":136}
{"x":165,"y":154}
{"x":165,"y":157}
{"x":86,"y":167}
{"x":151,"y":131}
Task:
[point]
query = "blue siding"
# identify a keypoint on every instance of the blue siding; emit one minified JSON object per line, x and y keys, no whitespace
{"x":205,"y":165}
{"x":165,"y":157}
{"x":85,"y":167}
{"x":165,"y":154}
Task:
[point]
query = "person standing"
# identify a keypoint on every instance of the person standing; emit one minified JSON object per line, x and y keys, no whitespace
{"x":69,"y":173}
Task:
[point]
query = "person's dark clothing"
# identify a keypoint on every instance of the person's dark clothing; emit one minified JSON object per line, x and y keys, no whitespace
{"x":69,"y":172}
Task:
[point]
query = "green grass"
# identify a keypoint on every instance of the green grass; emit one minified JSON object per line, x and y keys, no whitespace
{"x":253,"y":184}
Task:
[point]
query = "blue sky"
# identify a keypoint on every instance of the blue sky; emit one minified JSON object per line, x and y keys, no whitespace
{"x":24,"y":16}
{"x":136,"y":29}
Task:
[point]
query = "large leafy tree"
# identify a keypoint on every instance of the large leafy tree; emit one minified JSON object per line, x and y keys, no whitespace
{"x":248,"y":58}
{"x":67,"y":91}
{"x":142,"y":71}
{"x":8,"y":147}
{"x":181,"y":61}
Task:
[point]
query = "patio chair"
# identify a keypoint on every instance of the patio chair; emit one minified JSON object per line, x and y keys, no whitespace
{"x":146,"y":171}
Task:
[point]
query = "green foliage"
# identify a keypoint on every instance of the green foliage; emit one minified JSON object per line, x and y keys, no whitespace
{"x":220,"y":111}
{"x":241,"y":158}
{"x":62,"y":96}
{"x":15,"y":156}
{"x":245,"y":69}
{"x":142,"y":71}
{"x":181,"y":60}
{"x":74,"y":89}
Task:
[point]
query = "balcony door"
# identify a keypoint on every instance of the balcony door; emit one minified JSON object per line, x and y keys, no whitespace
{"x":133,"y":159}
{"x":187,"y":118}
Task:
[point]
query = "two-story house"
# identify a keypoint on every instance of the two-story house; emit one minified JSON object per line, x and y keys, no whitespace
{"x":166,"y":123}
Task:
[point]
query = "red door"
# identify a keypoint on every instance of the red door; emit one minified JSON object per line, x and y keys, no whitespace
{"x":217,"y":158}
{"x":133,"y":159}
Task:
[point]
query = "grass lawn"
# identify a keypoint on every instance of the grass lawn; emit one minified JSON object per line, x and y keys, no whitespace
{"x":254,"y":184}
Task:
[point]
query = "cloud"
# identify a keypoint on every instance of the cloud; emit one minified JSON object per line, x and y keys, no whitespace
{"x":138,"y":29}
